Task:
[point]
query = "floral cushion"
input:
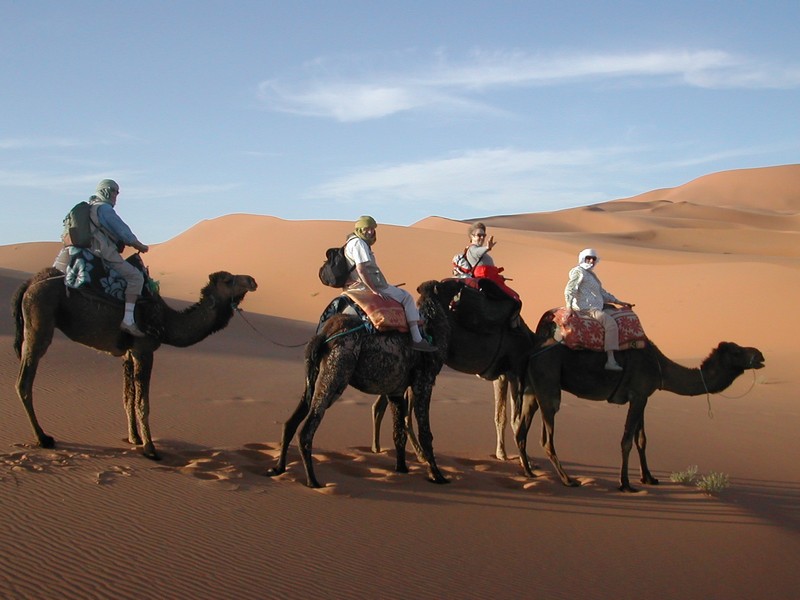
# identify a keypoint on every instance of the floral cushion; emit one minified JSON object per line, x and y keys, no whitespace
{"x":580,"y":332}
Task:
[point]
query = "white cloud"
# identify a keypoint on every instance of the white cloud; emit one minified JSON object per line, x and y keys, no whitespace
{"x":452,"y":85}
{"x":477,"y":179}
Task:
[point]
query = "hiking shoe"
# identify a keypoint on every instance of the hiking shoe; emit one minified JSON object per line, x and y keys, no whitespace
{"x":423,"y":346}
{"x":613,"y":367}
{"x":132,"y":329}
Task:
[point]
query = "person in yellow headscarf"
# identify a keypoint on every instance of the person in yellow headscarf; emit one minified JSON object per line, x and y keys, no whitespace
{"x":367,"y":276}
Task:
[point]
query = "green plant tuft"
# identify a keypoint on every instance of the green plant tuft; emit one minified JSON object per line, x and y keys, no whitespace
{"x":713,"y":483}
{"x":687,"y":476}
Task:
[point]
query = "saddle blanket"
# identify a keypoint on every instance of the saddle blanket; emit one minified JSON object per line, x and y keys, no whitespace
{"x":580,"y":332}
{"x":384,"y":313}
{"x":88,"y":272}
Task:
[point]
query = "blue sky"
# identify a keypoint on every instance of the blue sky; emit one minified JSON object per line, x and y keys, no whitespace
{"x":399,"y":109}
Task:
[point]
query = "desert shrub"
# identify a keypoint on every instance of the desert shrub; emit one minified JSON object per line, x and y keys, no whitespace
{"x":687,"y":476}
{"x":713,"y":483}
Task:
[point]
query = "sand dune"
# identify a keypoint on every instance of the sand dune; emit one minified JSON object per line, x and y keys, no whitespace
{"x":716,"y":259}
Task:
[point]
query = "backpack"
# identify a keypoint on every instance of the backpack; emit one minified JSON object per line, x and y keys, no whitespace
{"x":335,"y":271}
{"x":77,"y":229}
{"x":461,"y":265}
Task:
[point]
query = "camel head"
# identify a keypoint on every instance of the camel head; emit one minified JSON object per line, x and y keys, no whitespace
{"x":225,"y":287}
{"x":734,"y":357}
{"x":444,"y":291}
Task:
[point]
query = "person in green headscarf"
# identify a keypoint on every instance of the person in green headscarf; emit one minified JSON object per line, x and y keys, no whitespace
{"x":367,"y":276}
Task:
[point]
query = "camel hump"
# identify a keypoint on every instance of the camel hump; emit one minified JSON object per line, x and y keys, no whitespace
{"x":483,"y":307}
{"x":88,"y":273}
{"x":581,"y":332}
{"x":374,"y":316}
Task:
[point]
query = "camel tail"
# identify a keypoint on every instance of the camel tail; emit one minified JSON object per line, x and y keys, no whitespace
{"x":312,"y":360}
{"x":19,"y":322}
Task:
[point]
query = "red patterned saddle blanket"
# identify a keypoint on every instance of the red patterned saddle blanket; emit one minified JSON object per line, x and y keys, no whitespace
{"x":384,"y":313}
{"x":580,"y":332}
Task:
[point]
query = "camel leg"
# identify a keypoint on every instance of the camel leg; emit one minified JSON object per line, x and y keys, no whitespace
{"x":305,"y":439}
{"x":412,"y":437}
{"x":129,"y":399}
{"x":521,"y":424}
{"x":500,"y":387}
{"x":400,"y":435}
{"x":421,"y":398}
{"x":142,"y":371}
{"x":289,"y":428}
{"x":633,"y":424}
{"x":378,"y":409}
{"x":548,"y":431}
{"x":27,"y":373}
{"x":33,"y":349}
{"x":641,"y":445}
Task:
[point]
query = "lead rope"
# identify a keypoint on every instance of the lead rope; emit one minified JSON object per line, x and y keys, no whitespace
{"x":241,"y":314}
{"x":708,"y":394}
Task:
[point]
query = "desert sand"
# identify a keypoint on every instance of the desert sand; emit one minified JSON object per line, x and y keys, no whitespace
{"x":717,"y":259}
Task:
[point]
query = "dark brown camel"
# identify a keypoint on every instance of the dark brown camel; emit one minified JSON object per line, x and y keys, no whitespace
{"x":554,"y":367}
{"x":343,"y":354}
{"x":42,"y":304}
{"x":496,"y":353}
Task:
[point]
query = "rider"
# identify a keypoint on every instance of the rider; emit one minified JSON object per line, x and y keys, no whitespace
{"x":476,"y":253}
{"x":110,"y":235}
{"x":585,"y":294}
{"x":368,"y":276}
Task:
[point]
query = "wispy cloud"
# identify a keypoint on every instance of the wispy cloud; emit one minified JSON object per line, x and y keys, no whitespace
{"x":477,"y":179}
{"x":38,"y":143}
{"x":443,"y":83}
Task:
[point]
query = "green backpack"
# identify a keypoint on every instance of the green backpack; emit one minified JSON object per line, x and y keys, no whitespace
{"x":77,"y":228}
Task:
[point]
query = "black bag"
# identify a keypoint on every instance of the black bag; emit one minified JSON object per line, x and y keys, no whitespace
{"x":335,"y":271}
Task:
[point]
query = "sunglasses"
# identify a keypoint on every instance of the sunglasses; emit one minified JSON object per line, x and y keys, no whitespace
{"x":590,"y":258}
{"x":479,"y":234}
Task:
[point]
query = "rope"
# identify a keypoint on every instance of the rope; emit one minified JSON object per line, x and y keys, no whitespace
{"x":241,"y":314}
{"x":708,"y":394}
{"x":341,"y":333}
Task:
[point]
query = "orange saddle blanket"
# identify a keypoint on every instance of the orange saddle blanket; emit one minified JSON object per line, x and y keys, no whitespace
{"x":384,"y":313}
{"x":584,"y":333}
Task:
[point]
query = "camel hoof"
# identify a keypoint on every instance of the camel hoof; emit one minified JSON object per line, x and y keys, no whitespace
{"x":649,"y":480}
{"x":440,"y":480}
{"x":47,"y":441}
{"x":274,"y":472}
{"x":314,"y":485}
{"x":572,"y":483}
{"x":627,"y":489}
{"x":149,"y":451}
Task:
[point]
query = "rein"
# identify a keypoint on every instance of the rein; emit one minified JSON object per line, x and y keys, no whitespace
{"x":341,"y":333}
{"x":708,"y":394}
{"x":240,"y":312}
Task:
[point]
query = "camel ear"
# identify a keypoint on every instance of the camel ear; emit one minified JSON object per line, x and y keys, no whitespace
{"x":220,"y":276}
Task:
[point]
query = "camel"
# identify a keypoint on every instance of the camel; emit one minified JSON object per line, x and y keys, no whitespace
{"x":343,"y":354}
{"x":44,"y":303}
{"x":553,"y":367}
{"x":498,"y":354}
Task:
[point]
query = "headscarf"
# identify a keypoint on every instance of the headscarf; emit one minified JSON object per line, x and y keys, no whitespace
{"x":103,"y":191}
{"x":582,"y":258}
{"x":366,"y":222}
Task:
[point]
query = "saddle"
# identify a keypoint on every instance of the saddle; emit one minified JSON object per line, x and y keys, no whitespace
{"x":580,"y":332}
{"x":88,"y":273}
{"x":483,"y":306}
{"x":377,"y":314}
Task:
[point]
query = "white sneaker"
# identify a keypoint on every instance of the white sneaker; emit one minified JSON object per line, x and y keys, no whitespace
{"x":132,"y":329}
{"x":613,"y":367}
{"x":423,"y":346}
